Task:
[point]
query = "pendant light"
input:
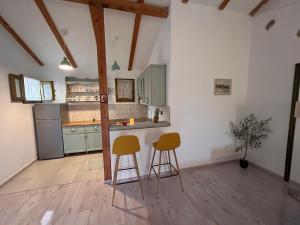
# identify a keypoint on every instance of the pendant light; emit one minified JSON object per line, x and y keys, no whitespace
{"x":115,"y":66}
{"x":65,"y":63}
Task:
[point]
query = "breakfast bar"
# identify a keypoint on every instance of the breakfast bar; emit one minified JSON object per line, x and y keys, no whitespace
{"x":147,"y":133}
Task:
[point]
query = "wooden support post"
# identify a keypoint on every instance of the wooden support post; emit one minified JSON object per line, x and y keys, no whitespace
{"x":129,"y":6}
{"x":97,"y":14}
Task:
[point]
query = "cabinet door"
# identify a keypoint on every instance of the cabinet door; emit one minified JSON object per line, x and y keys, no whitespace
{"x":148,"y":87}
{"x":74,"y":142}
{"x":158,"y":86}
{"x":94,"y":141}
{"x":139,"y":89}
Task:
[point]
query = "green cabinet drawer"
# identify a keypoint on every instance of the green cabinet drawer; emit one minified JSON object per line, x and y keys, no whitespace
{"x":70,"y":130}
{"x":95,"y":128}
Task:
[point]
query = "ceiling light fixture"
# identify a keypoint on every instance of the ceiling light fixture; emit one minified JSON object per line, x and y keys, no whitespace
{"x":65,"y":65}
{"x":115,"y":66}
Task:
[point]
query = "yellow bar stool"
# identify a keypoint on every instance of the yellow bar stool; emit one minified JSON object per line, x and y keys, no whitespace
{"x":126,"y":145}
{"x":166,"y":143}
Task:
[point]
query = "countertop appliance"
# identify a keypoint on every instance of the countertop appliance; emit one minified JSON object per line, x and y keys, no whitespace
{"x":48,"y":119}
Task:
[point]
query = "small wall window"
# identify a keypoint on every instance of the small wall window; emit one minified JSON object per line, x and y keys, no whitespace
{"x":125,"y":91}
{"x":47,"y":90}
{"x":16,"y":87}
{"x":30,"y":90}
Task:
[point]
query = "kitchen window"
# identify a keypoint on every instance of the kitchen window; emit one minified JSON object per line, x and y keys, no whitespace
{"x":26,"y":89}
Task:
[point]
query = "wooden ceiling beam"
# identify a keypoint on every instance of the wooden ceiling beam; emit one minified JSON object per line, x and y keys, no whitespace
{"x":97,"y":15}
{"x":136,"y":28}
{"x":223,"y":4}
{"x":19,"y":40}
{"x":128,"y":6}
{"x":40,"y":4}
{"x":258,"y":7}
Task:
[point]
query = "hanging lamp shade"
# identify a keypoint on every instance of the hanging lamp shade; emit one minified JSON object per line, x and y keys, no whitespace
{"x":115,"y":66}
{"x":65,"y":65}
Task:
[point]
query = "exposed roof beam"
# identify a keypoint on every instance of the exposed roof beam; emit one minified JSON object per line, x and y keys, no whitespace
{"x":97,"y":14}
{"x":20,"y":40}
{"x":55,"y":31}
{"x":135,"y":35}
{"x":258,"y":7}
{"x":128,"y":6}
{"x":224,"y":4}
{"x":185,"y":1}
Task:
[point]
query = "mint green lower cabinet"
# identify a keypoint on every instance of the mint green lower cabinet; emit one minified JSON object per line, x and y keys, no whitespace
{"x":82,"y":139}
{"x":94,"y":141}
{"x":74,"y":142}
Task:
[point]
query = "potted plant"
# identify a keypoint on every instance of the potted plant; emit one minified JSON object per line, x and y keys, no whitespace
{"x":249,"y":133}
{"x":156,"y":115}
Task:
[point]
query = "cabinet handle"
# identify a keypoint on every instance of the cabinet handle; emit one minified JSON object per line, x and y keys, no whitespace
{"x":73,"y":129}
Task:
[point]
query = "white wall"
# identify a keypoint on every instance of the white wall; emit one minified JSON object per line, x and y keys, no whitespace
{"x":273,"y":58}
{"x":17,"y":141}
{"x":204,"y":44}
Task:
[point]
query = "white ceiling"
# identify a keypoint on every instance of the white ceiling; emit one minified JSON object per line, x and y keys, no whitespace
{"x":26,"y":19}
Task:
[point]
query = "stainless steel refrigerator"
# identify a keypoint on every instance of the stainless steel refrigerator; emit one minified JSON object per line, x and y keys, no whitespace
{"x":48,"y":129}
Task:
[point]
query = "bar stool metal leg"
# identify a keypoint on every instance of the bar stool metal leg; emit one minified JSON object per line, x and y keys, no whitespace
{"x":115,"y":178}
{"x":151,"y":165}
{"x":158,"y":176}
{"x":138,"y":174}
{"x":178,"y":170}
{"x":170,"y":167}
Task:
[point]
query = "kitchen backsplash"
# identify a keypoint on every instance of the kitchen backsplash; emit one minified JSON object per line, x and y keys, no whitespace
{"x":86,"y":112}
{"x":163,"y":116}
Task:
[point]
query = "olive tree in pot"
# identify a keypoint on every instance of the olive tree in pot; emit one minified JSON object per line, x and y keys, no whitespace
{"x":249,"y":133}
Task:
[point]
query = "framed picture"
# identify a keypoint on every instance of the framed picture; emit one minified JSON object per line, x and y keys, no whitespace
{"x":223,"y":86}
{"x":103,"y":98}
{"x":125,"y":91}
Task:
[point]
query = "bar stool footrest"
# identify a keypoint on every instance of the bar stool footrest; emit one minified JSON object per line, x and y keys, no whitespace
{"x":163,"y":164}
{"x":127,"y":182}
{"x":129,"y":168}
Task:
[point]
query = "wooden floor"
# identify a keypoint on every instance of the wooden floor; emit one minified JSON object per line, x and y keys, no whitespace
{"x":47,"y":173}
{"x":219,"y":195}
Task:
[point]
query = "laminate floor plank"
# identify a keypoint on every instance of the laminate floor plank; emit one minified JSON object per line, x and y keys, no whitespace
{"x":222,"y":194}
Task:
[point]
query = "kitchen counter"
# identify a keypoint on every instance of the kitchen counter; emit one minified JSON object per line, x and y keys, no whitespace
{"x":140,"y":125}
{"x":81,"y":123}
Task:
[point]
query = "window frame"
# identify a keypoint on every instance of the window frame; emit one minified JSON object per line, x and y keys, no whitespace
{"x":118,"y":99}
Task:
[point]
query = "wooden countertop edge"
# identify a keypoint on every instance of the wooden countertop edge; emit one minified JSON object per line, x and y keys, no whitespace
{"x":80,"y":123}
